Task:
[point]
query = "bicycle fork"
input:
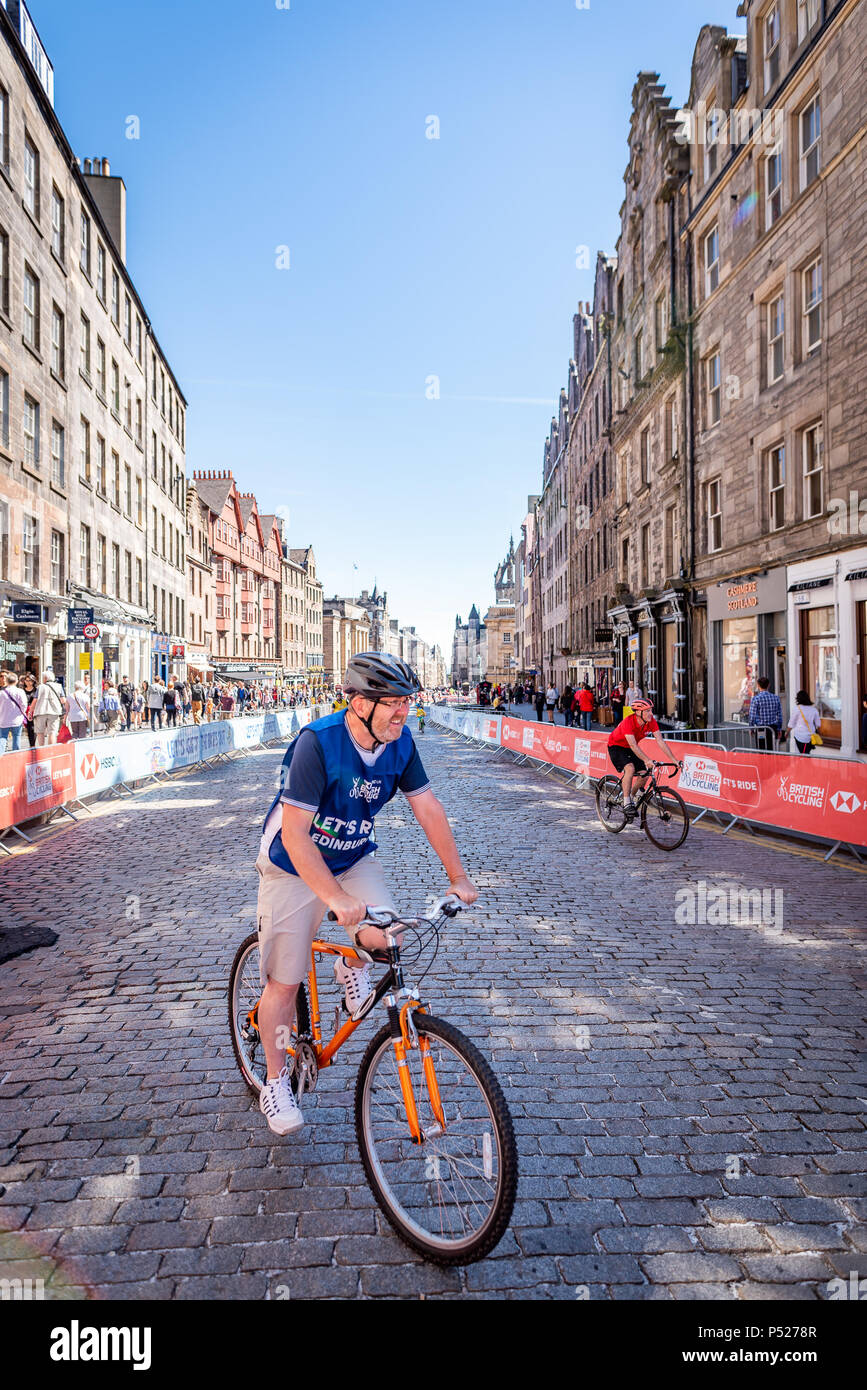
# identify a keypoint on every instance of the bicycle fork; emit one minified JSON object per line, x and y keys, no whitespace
{"x":405,"y":1038}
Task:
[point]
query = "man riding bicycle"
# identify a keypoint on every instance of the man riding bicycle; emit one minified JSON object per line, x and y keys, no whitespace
{"x":317,"y":852}
{"x":626,"y":755}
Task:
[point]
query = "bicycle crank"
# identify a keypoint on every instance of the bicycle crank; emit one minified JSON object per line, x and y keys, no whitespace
{"x":305,"y":1068}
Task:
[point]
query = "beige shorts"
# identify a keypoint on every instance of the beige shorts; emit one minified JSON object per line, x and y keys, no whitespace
{"x":289,"y":915}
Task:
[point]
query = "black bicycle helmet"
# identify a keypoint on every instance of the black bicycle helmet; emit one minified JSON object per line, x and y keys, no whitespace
{"x":377,"y":676}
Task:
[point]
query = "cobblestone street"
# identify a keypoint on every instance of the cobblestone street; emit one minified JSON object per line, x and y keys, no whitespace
{"x":685,"y":1094}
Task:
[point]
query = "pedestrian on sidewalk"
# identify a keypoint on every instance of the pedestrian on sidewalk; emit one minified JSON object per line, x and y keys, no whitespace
{"x":30,"y":686}
{"x":172,"y":704}
{"x":766,"y":713}
{"x":804,"y":722}
{"x":197,"y":700}
{"x":585,"y":703}
{"x":126,"y":691}
{"x":566,"y":703}
{"x":551,"y":696}
{"x":13,"y":712}
{"x":48,"y":710}
{"x":539,"y":702}
{"x":109,"y":708}
{"x":618,"y":700}
{"x":78,"y":714}
{"x":156,"y":700}
{"x":633,"y":692}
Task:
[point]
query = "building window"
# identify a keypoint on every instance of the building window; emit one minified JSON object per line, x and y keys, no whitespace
{"x":711,"y":140}
{"x":31,"y":178}
{"x":671,"y":445}
{"x":772,"y":47}
{"x":101,"y":564}
{"x":777,"y":487}
{"x":84,"y":458}
{"x":639,"y":356}
{"x":127,"y":565}
{"x":138,"y":339}
{"x":85,"y":345}
{"x":155,"y":529}
{"x":808,"y":16}
{"x":669,"y":542}
{"x":115,"y":388}
{"x":84,"y":255}
{"x":810,"y":129}
{"x":711,"y":261}
{"x":58,"y":566}
{"x":139,"y":584}
{"x":4,"y":127}
{"x":115,"y":298}
{"x":644,"y":455}
{"x":84,"y":556}
{"x":645,"y":555}
{"x":100,"y":270}
{"x":776,"y":335}
{"x":4,"y":272}
{"x":713,"y":390}
{"x":773,"y":186}
{"x":115,"y":470}
{"x":661,"y":321}
{"x":100,"y":368}
{"x":127,"y":490}
{"x":812,"y":449}
{"x":115,"y":570}
{"x":154,"y":376}
{"x":58,"y":343}
{"x":127,"y":405}
{"x":127,"y":321}
{"x":714,"y":515}
{"x":31,"y":432}
{"x":58,"y":455}
{"x":138,"y":421}
{"x":101,"y":479}
{"x":58,"y":224}
{"x":30,"y":550}
{"x":31,"y":309}
{"x":812,"y":311}
{"x":139,"y":502}
{"x":4,"y":409}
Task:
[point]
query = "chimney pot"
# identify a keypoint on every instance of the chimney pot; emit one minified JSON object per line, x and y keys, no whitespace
{"x":106,"y":168}
{"x":87,"y":166}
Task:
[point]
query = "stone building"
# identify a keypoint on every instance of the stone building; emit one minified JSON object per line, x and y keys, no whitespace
{"x":499,"y":621}
{"x":469,"y":650}
{"x":774,"y":233}
{"x":649,"y":616}
{"x":314,"y":654}
{"x":346,"y":630}
{"x":201,"y":585}
{"x":247,"y":573}
{"x":552,"y":520}
{"x":527,"y":611}
{"x":292,"y":654}
{"x":92,"y":420}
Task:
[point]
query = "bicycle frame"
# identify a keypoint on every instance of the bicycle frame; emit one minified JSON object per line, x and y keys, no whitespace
{"x":403,"y":1030}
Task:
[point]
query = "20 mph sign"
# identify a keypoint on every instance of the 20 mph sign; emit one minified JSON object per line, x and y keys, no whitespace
{"x":90,"y":631}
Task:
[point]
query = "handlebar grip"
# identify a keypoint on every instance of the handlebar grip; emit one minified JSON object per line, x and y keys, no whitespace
{"x":332,"y":916}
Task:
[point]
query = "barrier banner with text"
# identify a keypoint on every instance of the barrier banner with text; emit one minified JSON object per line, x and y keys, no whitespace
{"x":33,"y":781}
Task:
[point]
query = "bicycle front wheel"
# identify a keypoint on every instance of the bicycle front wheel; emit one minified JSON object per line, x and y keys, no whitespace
{"x":450,"y":1196}
{"x":666,"y":819}
{"x":609,"y":804}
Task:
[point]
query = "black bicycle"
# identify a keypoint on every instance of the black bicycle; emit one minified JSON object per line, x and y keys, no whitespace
{"x":660,"y":811}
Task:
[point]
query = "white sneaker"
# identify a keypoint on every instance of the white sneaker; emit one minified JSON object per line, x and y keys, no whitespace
{"x":355,"y":983}
{"x":279,"y":1106}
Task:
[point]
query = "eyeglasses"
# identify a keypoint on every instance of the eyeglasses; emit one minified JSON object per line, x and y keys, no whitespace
{"x":396,"y":704}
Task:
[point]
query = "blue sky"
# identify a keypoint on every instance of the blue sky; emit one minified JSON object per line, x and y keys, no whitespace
{"x":304,"y":127}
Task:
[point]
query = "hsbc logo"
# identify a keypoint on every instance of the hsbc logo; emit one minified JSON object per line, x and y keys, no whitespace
{"x":89,"y":766}
{"x":845,"y":801}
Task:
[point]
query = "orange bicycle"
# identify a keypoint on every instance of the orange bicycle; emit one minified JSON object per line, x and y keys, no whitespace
{"x":433,"y":1127}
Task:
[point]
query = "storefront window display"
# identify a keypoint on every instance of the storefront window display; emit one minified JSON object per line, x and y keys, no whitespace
{"x":740,"y":666}
{"x":821,"y":667}
{"x":669,"y":694}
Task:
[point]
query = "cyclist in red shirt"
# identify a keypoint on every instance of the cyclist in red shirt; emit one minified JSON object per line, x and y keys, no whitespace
{"x":626,"y":755}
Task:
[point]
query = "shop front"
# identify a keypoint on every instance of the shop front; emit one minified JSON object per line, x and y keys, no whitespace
{"x":598,"y":671}
{"x":827,"y":636}
{"x":32,"y":637}
{"x":746,"y":618}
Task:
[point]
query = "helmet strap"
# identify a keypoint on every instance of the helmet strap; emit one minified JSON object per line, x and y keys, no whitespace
{"x":368,"y":722}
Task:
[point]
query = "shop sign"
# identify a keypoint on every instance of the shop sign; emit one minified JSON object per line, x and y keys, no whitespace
{"x":112,"y":653}
{"x":77,"y":619}
{"x":740,"y":596}
{"x":177,"y":651}
{"x":27,"y":613}
{"x":603,"y":635}
{"x":633,"y":644}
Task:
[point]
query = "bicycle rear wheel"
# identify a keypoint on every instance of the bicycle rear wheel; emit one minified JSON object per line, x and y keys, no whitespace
{"x":665,"y":818}
{"x":244,"y":992}
{"x":451,"y":1196}
{"x":609,"y":804}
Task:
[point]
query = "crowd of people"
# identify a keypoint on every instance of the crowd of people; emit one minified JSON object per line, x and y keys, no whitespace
{"x":34,"y":712}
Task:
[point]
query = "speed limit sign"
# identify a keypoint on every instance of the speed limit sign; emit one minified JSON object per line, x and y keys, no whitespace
{"x":90,"y":631}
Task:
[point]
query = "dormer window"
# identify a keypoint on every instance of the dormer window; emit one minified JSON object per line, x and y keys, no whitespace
{"x":772,"y":47}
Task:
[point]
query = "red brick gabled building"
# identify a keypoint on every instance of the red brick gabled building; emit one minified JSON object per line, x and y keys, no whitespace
{"x":247,"y":557}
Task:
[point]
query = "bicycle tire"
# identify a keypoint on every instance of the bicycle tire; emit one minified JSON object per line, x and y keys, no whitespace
{"x":302,"y":1011}
{"x":494,"y":1227}
{"x":602,"y":786}
{"x":660,"y":796}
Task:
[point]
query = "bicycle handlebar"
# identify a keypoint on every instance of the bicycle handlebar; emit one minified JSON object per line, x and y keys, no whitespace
{"x":449,"y":906}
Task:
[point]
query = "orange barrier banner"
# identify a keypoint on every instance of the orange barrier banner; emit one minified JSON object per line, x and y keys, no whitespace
{"x":33,"y":781}
{"x":823,"y":797}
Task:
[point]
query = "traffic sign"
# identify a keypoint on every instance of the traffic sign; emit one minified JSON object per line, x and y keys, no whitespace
{"x":90,"y":631}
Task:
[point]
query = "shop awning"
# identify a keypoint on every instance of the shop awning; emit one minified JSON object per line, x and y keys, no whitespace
{"x":857,"y":574}
{"x":805,"y":584}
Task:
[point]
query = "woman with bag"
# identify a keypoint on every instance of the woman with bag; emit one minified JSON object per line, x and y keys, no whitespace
{"x":13,"y":712}
{"x":78,"y":711}
{"x":804,"y":723}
